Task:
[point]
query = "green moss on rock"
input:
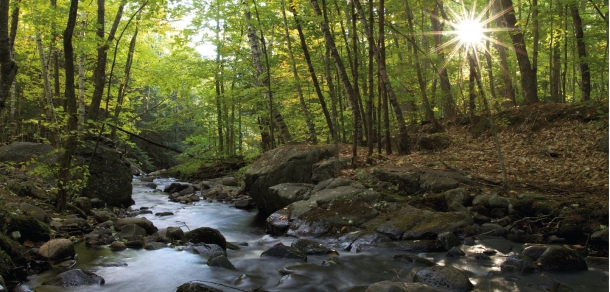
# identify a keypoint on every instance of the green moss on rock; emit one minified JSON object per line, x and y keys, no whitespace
{"x":29,"y":228}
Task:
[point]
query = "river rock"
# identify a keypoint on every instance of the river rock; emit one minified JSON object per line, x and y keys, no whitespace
{"x":206,"y":235}
{"x":151,"y":185}
{"x":136,"y":244}
{"x":21,"y":288}
{"x":545,"y":283}
{"x":75,"y":277}
{"x":412,"y":245}
{"x":209,"y":250}
{"x":559,"y":258}
{"x":142,"y":222}
{"x":518,"y":264}
{"x":311,"y":247}
{"x":447,"y":240}
{"x":229,"y":181}
{"x":278,"y":223}
{"x":288,"y":164}
{"x":34,"y":211}
{"x":387,"y":286}
{"x":455,"y":251}
{"x":490,"y":229}
{"x":460,"y":196}
{"x":117,"y":246}
{"x":534,"y":251}
{"x":413,"y":259}
{"x":340,"y":188}
{"x":327,"y":169}
{"x":285,"y":252}
{"x":319,"y":221}
{"x":175,"y":187}
{"x":435,"y":183}
{"x":407,"y":181}
{"x":367,"y":240}
{"x":445,"y":278}
{"x":102,"y":215}
{"x":110,"y":173}
{"x":601,"y":235}
{"x":189,"y":190}
{"x":57,"y":249}
{"x":284,"y":194}
{"x":174,"y":233}
{"x":220,"y":260}
{"x":132,"y":232}
{"x":196,"y":287}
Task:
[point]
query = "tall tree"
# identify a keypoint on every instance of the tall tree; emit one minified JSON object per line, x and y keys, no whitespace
{"x":528,"y":78}
{"x":64,"y":185}
{"x":585,"y":74}
{"x":443,"y":75}
{"x":8,"y":67}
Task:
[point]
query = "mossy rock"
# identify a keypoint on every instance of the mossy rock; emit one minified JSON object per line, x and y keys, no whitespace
{"x":13,"y":249}
{"x":531,"y":207}
{"x":29,"y":228}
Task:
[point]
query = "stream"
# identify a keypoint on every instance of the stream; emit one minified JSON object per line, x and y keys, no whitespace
{"x":166,"y":269}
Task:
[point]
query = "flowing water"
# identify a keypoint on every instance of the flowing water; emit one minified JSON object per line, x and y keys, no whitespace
{"x":166,"y":269}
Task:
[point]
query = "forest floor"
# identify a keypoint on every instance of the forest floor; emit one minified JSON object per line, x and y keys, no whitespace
{"x":550,"y":149}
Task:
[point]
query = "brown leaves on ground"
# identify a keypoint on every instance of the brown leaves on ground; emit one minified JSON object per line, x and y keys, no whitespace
{"x":547,"y":148}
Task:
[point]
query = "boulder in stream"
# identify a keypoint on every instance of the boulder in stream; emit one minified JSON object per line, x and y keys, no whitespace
{"x":285,"y":252}
{"x":559,"y":258}
{"x":75,"y":277}
{"x":57,"y":249}
{"x":206,"y":235}
{"x":288,"y":164}
{"x":444,"y":277}
{"x":220,"y":260}
{"x":142,"y":222}
{"x":196,"y":287}
{"x":518,"y":264}
{"x":308,"y":246}
{"x":387,"y":286}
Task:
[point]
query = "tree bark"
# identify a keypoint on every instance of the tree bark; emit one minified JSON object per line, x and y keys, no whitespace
{"x":312,"y":129}
{"x":12,"y":36}
{"x":357,"y":98}
{"x":555,"y":58}
{"x":371,"y":84}
{"x":528,"y":78}
{"x":443,"y":75}
{"x":314,"y":79}
{"x":8,"y":67}
{"x":404,"y":144}
{"x":99,"y":72}
{"x":49,"y":108}
{"x":125,"y":82}
{"x":585,"y":74}
{"x":65,"y":177}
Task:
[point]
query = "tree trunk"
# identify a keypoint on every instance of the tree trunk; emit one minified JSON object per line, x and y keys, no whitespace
{"x":555,"y":58}
{"x":329,"y":120}
{"x":99,"y":72}
{"x":448,"y":103}
{"x":528,"y":78}
{"x":65,"y":177}
{"x":371,"y":84}
{"x":217,"y":79}
{"x":347,"y":85}
{"x":471,"y":94}
{"x":535,"y":40}
{"x":81,"y":83}
{"x":312,"y":130}
{"x":585,"y":74}
{"x":12,"y":36}
{"x":49,"y":108}
{"x":357,"y":98}
{"x":125,"y":82}
{"x":404,"y":144}
{"x":8,"y":67}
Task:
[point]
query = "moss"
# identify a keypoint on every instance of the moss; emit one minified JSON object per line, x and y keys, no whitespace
{"x":29,"y":228}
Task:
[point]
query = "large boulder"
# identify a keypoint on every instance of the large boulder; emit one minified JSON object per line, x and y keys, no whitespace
{"x":109,"y":173}
{"x":57,"y":249}
{"x":196,"y":287}
{"x":25,"y":151}
{"x":142,"y":222}
{"x":284,"y":194}
{"x":76,"y":277}
{"x":206,"y":235}
{"x":559,"y":258}
{"x":289,"y":164}
{"x":34,"y":211}
{"x":445,"y":278}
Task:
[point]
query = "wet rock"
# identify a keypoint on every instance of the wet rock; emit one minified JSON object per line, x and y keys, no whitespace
{"x":209,"y":250}
{"x":518,"y":264}
{"x":142,"y":222}
{"x":288,"y":164}
{"x":284,"y":194}
{"x":132,"y":232}
{"x":243,"y":202}
{"x":284,"y":252}
{"x":559,"y":258}
{"x":75,"y":222}
{"x":277,"y":223}
{"x":412,"y":245}
{"x":206,"y":235}
{"x":406,"y":180}
{"x":220,"y":260}
{"x":545,"y":283}
{"x":117,"y":246}
{"x":189,"y":190}
{"x":229,"y":181}
{"x":151,"y":185}
{"x":445,"y":278}
{"x":387,"y":286}
{"x":21,"y":288}
{"x":57,"y":249}
{"x":340,"y":188}
{"x":491,"y":229}
{"x":174,"y":233}
{"x":455,"y":251}
{"x":368,"y":239}
{"x":34,"y":211}
{"x":114,"y":264}
{"x":534,"y":251}
{"x":196,"y":287}
{"x":601,"y":235}
{"x":459,"y":195}
{"x":307,"y":246}
{"x":162,"y":214}
{"x":448,"y":240}
{"x":75,"y":277}
{"x":175,"y":188}
{"x":413,"y":259}
{"x":98,"y":237}
{"x":481,"y":257}
{"x":319,"y":221}
{"x":154,"y":245}
{"x":327,"y":169}
{"x":136,"y":244}
{"x":437,"y":184}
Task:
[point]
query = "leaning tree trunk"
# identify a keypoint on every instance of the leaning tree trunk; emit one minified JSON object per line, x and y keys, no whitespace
{"x":312,"y":129}
{"x":8,"y":67}
{"x":125,"y":82}
{"x":585,"y":74}
{"x":64,"y":188}
{"x":404,"y":146}
{"x":528,"y":78}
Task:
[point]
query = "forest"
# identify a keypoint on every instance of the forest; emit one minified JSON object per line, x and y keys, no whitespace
{"x":231,"y":79}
